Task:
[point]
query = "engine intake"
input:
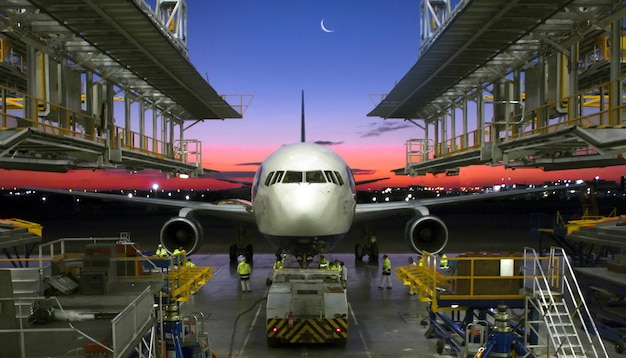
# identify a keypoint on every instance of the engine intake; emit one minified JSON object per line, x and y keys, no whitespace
{"x":426,"y":233}
{"x":182,"y":231}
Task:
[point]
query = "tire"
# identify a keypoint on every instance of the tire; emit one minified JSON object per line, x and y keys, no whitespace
{"x":440,"y":345}
{"x":341,"y":342}
{"x":232,"y":252}
{"x":273,"y":342}
{"x":374,"y":252}
{"x":619,"y":347}
{"x":358,"y":252}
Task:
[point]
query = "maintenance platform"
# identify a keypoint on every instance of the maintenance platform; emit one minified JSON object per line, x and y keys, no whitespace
{"x":93,"y":85}
{"x":536,"y":84}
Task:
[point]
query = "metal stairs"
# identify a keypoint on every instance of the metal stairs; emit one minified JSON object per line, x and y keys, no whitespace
{"x":557,"y":318}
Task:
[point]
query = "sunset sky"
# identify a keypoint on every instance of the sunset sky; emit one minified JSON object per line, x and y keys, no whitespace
{"x":275,"y":49}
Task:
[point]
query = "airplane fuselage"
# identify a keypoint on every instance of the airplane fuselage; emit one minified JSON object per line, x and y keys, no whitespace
{"x":303,"y":198}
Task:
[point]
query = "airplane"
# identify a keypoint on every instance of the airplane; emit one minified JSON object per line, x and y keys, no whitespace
{"x":303,"y":201}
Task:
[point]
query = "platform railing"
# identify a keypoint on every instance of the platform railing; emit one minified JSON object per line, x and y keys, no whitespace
{"x":553,"y":293}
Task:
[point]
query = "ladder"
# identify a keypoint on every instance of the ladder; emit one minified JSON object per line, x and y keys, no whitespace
{"x":557,"y":317}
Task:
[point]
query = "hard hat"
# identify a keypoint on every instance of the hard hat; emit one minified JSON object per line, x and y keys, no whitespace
{"x":160,"y":245}
{"x":241,"y":258}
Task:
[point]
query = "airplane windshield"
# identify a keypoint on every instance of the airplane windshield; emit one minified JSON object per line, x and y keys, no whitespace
{"x":312,"y":176}
{"x":315,"y":177}
{"x":292,"y":177}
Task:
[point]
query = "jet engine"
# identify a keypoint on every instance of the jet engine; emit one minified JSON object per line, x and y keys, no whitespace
{"x":182,"y":231}
{"x":426,"y":233}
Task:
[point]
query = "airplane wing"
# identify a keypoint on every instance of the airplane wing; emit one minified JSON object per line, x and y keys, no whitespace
{"x":367,"y":181}
{"x":373,"y":211}
{"x":237,"y":210}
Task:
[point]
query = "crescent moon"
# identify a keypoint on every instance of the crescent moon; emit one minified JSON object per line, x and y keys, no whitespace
{"x":324,"y":27}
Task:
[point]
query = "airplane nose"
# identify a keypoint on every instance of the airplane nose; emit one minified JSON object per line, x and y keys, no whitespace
{"x":306,"y":208}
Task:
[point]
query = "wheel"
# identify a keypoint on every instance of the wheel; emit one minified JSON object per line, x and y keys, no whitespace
{"x":232,"y":252}
{"x":440,"y":345}
{"x":374,"y":252}
{"x":341,"y":342}
{"x":358,"y":252}
{"x":248,"y":252}
{"x":619,"y":347}
{"x":273,"y":342}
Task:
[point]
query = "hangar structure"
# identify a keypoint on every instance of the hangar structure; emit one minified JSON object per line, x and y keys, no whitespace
{"x":102,"y":84}
{"x":521,"y":83}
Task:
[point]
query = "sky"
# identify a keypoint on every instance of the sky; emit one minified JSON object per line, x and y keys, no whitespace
{"x":275,"y":49}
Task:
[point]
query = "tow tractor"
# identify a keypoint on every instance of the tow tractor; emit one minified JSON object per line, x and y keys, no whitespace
{"x":306,"y":306}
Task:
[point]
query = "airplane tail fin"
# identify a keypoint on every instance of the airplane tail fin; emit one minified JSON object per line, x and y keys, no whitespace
{"x":302,"y":135}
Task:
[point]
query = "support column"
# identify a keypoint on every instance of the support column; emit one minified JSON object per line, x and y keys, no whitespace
{"x":615,"y":112}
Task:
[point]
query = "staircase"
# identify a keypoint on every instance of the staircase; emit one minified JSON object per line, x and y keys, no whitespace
{"x":558,"y":321}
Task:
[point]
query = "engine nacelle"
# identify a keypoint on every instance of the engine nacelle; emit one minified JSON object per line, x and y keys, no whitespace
{"x":426,"y":233}
{"x":182,"y":231}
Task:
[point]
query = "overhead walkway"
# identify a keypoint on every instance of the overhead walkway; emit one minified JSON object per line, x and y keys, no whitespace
{"x":103,"y":84}
{"x":521,"y":84}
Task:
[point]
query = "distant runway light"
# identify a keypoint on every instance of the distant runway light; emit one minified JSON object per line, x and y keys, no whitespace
{"x":130,"y":195}
{"x":183,"y":176}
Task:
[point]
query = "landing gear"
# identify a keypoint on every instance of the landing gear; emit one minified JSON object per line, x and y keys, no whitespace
{"x":368,"y":248}
{"x":238,"y":249}
{"x":371,"y":251}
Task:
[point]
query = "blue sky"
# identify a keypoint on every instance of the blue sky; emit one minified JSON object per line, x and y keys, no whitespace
{"x":274,"y":49}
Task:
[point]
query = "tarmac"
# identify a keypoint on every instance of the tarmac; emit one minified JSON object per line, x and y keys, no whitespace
{"x":382,"y":323}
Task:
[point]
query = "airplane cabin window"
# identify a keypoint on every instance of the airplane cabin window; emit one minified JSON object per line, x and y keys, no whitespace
{"x":292,"y":177}
{"x":315,"y":176}
{"x":339,"y":178}
{"x":268,"y":180}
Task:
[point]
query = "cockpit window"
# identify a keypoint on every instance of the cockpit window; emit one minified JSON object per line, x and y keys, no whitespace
{"x":339,"y":178}
{"x":268,"y":180}
{"x":315,"y":176}
{"x":293,"y":177}
{"x":277,"y":177}
{"x":330,"y":177}
{"x":312,"y":176}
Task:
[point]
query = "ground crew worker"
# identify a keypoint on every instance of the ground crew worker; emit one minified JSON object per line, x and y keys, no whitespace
{"x":179,"y":251}
{"x":244,"y":270}
{"x":420,"y":261}
{"x":443,"y":262}
{"x":189,"y":263}
{"x":324,"y":263}
{"x":335,"y":265}
{"x":160,"y":251}
{"x":279,"y":264}
{"x":412,"y":288}
{"x":385,"y":278}
{"x":344,"y":275}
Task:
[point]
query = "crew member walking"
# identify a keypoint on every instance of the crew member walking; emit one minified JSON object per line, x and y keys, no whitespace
{"x":385,"y":278}
{"x":244,"y":270}
{"x":412,"y":288}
